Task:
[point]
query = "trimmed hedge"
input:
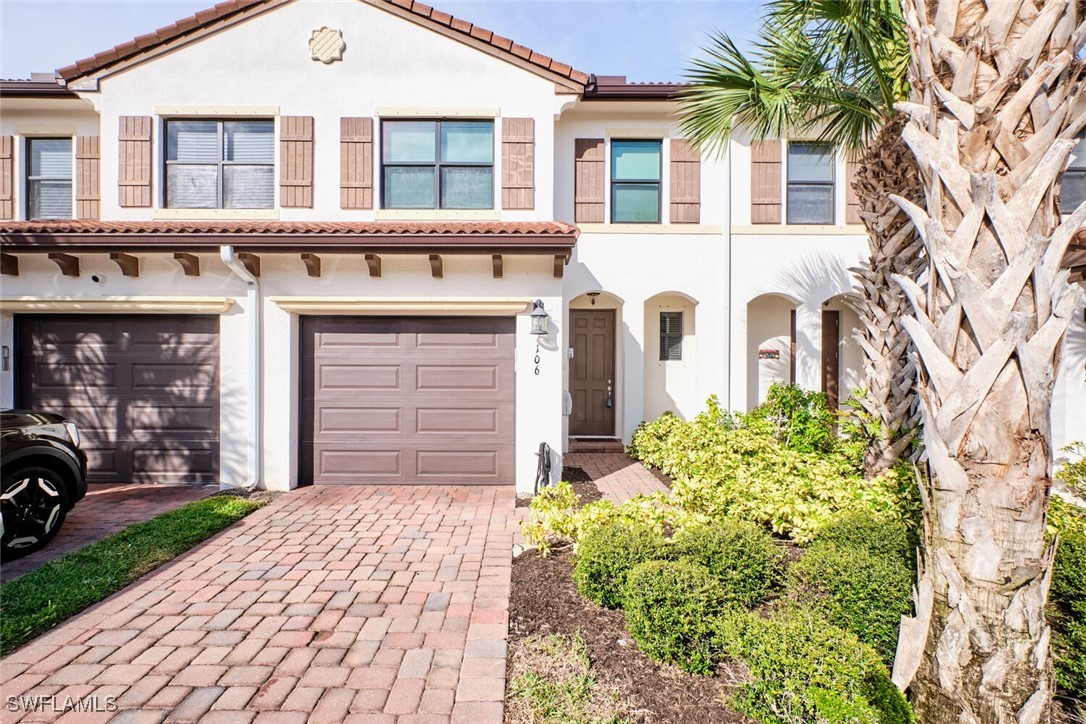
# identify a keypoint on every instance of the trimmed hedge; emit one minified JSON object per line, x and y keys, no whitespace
{"x":1067,"y":613}
{"x":741,"y":556}
{"x":878,"y":535}
{"x":607,"y":553}
{"x":803,"y":669}
{"x":856,"y":590}
{"x":672,"y":609}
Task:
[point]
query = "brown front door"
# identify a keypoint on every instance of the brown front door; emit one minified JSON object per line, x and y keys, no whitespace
{"x":831,"y":368}
{"x":407,"y":400}
{"x":144,"y":390}
{"x":592,"y":372}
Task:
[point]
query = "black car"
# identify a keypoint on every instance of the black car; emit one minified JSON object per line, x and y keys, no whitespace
{"x":42,"y":475}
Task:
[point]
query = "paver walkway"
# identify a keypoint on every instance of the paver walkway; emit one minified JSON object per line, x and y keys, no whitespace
{"x":369,"y":604}
{"x":617,"y":476}
{"x":106,"y":509}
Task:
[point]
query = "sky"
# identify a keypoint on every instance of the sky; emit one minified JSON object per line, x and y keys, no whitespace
{"x":645,"y":41}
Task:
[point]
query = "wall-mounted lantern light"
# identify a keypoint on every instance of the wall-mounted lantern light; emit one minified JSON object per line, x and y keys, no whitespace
{"x":592,"y":297}
{"x":539,"y":318}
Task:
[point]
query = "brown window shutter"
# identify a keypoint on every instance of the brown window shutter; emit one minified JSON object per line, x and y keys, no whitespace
{"x":87,"y":159}
{"x":518,"y":163}
{"x":589,"y":180}
{"x":134,"y":152}
{"x":765,"y":182}
{"x":356,"y":163}
{"x":296,"y":162}
{"x":852,"y":201}
{"x":7,"y":174}
{"x":685,"y":182}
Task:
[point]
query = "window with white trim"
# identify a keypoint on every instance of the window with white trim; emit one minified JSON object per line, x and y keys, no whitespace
{"x":810,"y":183}
{"x":671,"y":336}
{"x":49,"y":178}
{"x":212,"y":164}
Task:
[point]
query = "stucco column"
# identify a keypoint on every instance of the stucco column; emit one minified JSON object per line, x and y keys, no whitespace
{"x":808,"y":344}
{"x":632,"y":367}
{"x":7,"y":376}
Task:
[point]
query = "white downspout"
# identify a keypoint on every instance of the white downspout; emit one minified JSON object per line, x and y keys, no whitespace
{"x":255,"y":314}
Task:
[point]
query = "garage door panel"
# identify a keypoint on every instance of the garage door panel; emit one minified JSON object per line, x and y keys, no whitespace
{"x":429,"y":420}
{"x":341,"y":378}
{"x":457,"y":463}
{"x":170,"y":378}
{"x":357,"y":420}
{"x":456,"y":378}
{"x":434,"y":405}
{"x":332,"y":463}
{"x":144,"y":390}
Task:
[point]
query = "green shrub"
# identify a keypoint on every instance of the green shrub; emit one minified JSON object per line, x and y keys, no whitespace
{"x":1067,"y":614}
{"x":802,"y":669}
{"x":741,"y":556}
{"x":606,"y":554}
{"x":1073,"y":472}
{"x":724,"y":468}
{"x":856,"y":590}
{"x":800,"y":420}
{"x":671,"y":610}
{"x":877,"y":535}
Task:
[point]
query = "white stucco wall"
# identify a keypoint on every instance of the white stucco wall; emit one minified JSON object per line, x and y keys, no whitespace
{"x":389,"y":63}
{"x":1069,"y":398}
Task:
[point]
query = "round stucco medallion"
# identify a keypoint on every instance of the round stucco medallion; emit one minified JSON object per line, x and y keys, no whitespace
{"x":326,"y":45}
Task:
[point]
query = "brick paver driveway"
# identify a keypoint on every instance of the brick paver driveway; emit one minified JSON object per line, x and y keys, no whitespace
{"x":371,"y":604}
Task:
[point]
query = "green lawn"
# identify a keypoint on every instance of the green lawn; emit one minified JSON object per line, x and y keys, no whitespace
{"x":38,"y":601}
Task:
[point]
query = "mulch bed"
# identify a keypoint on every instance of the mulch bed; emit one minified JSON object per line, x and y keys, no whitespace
{"x":545,"y":601}
{"x":582,"y":485}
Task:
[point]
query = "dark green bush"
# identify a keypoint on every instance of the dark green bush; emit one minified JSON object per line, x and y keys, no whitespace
{"x":856,"y":590}
{"x":740,"y":555}
{"x":607,"y":553}
{"x":671,"y":611}
{"x":802,"y":669}
{"x":1067,"y":613}
{"x":878,"y":535}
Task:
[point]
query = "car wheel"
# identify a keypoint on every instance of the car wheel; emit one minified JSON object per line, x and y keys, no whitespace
{"x":33,"y":502}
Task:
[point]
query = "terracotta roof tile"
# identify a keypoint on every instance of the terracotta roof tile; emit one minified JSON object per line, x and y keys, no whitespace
{"x":233,"y":8}
{"x":295,"y":228}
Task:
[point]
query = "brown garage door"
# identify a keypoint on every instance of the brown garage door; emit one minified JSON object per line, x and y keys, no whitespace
{"x":144,"y":390}
{"x":407,"y":400}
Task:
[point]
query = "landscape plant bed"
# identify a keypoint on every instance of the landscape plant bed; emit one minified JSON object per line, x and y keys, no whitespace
{"x":39,"y":600}
{"x":582,"y":485}
{"x":545,"y":601}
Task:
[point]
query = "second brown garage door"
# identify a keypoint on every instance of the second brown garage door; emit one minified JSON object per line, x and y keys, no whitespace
{"x":144,"y":390}
{"x":407,"y":400}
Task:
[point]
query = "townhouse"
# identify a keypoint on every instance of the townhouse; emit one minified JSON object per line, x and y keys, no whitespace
{"x":316,"y":242}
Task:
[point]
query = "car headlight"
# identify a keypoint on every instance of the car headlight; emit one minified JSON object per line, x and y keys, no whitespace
{"x":73,"y":432}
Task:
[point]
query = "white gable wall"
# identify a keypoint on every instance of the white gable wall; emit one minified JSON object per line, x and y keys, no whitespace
{"x":389,"y":62}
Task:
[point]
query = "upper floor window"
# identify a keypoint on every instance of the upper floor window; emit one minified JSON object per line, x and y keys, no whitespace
{"x":49,"y":178}
{"x":437,"y":164}
{"x":220,"y":164}
{"x":636,"y":167}
{"x":1073,"y":183}
{"x":671,"y":336}
{"x":810,"y":183}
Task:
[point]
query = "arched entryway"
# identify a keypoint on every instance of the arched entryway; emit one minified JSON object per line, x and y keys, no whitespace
{"x":670,"y":371}
{"x":771,"y":344}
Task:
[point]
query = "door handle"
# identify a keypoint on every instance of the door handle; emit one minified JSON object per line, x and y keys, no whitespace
{"x":610,"y":402}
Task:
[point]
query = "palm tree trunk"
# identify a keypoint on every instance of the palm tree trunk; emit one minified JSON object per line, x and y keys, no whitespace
{"x":888,"y":167}
{"x":991,"y":124}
